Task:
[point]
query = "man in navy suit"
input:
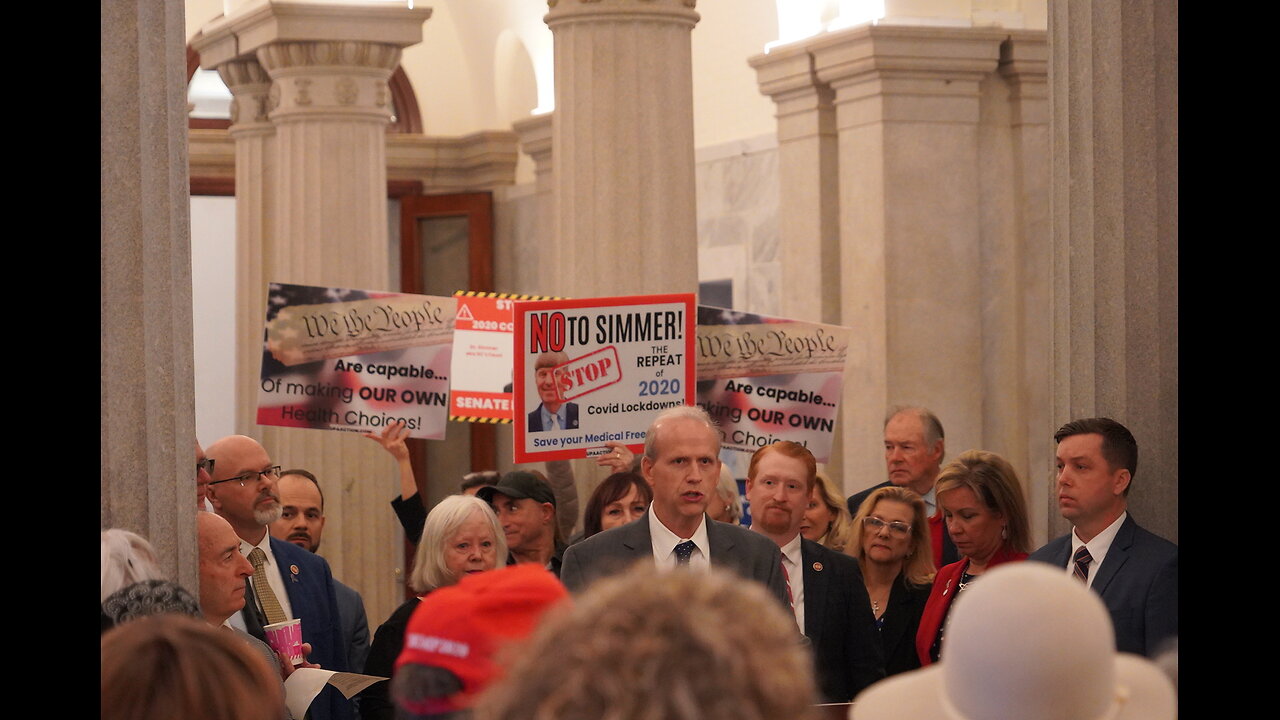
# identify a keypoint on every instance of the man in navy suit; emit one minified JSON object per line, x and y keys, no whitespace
{"x":1134,"y":571}
{"x":552,"y":413}
{"x":298,"y":584}
{"x":828,"y":596}
{"x":302,"y":524}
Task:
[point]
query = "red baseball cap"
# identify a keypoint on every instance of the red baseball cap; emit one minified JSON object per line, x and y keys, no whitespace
{"x":460,"y":627}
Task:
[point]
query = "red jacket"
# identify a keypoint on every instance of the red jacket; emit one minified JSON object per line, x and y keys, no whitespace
{"x":944,"y":591}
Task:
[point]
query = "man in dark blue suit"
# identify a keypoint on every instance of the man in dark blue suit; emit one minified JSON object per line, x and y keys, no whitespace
{"x":288,"y":582}
{"x":552,"y":413}
{"x":825,"y":587}
{"x":1134,"y":571}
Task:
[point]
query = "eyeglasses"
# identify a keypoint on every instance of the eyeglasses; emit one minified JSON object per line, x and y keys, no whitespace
{"x":252,"y":476}
{"x":205,"y":464}
{"x":874,"y":524}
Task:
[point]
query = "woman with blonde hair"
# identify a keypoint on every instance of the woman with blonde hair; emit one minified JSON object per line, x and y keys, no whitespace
{"x":890,"y":538}
{"x":827,"y":521}
{"x":462,"y":535}
{"x":986,"y":515}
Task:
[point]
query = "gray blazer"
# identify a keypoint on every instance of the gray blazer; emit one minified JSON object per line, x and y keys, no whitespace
{"x":355,"y":625}
{"x":733,"y":547}
{"x":1138,"y":582}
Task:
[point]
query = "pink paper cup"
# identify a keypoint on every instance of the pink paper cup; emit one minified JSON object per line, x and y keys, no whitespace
{"x":286,"y":637}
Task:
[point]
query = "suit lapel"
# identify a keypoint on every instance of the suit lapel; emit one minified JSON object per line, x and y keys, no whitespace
{"x":721,"y":542}
{"x":815,"y":589}
{"x":1117,"y":556}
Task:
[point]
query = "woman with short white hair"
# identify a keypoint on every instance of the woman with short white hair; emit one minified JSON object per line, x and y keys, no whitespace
{"x":462,"y":535}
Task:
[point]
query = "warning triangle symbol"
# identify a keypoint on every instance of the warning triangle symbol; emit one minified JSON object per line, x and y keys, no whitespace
{"x":464,"y":313}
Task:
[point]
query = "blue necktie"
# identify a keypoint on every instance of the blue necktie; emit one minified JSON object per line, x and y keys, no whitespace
{"x":683,"y":551}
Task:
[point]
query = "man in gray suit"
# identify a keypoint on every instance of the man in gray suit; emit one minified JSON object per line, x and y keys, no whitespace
{"x":1134,"y":571}
{"x":681,"y":463}
{"x":302,"y":523}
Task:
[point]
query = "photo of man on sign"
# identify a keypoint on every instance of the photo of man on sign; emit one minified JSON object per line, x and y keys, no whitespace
{"x":552,"y":413}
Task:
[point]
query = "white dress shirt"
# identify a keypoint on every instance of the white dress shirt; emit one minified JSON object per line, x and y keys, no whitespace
{"x":793,"y":560}
{"x":1098,"y":547}
{"x":561,"y":417}
{"x":664,"y":544}
{"x":273,"y":579}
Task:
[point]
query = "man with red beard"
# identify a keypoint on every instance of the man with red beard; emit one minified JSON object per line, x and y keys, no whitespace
{"x":825,"y":587}
{"x":287,"y":582}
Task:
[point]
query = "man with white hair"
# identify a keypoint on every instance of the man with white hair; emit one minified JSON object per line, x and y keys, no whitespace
{"x":681,"y":463}
{"x":287,"y":581}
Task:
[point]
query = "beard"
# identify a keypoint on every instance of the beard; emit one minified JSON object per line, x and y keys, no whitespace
{"x":269,"y":515}
{"x":775,"y":523}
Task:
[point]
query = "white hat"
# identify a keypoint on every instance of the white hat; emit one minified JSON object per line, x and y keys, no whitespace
{"x":1025,"y":641}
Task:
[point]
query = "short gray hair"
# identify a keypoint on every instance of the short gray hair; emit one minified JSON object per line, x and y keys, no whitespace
{"x":127,"y":558}
{"x":932,"y":425}
{"x":689,"y":412}
{"x":429,"y":571}
{"x":551,"y":358}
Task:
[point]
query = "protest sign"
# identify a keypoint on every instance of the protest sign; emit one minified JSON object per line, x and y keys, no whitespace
{"x":483,"y":375}
{"x":355,"y":360}
{"x":765,"y":378}
{"x":598,"y":369}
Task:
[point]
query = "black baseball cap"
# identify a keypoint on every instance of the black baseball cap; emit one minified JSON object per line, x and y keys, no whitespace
{"x":519,"y":484}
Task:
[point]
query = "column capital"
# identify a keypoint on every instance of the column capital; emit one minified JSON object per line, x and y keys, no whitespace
{"x":535,"y":137}
{"x":913,"y":73}
{"x":250,"y":86}
{"x":329,"y":78}
{"x":803,"y":101}
{"x":570,"y":11}
{"x":1024,"y":63}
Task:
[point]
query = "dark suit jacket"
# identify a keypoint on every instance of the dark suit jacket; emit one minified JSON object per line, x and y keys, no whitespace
{"x":944,"y":551}
{"x":388,"y":641}
{"x":736,"y":548}
{"x":900,"y":622}
{"x":570,"y":417}
{"x":354,"y":624}
{"x":839,"y":623}
{"x":314,"y":600}
{"x":1138,"y":582}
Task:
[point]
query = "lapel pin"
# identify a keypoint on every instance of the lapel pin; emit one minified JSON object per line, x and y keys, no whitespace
{"x":946,"y":589}
{"x":294,"y":569}
{"x":817,"y":567}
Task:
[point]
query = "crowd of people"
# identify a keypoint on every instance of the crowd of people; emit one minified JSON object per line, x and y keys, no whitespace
{"x":665,"y":605}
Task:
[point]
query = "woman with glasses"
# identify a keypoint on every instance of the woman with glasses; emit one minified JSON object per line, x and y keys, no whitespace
{"x":890,"y":538}
{"x":986,"y":515}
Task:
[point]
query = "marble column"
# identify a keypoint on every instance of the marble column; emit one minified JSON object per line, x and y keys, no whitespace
{"x":533,"y":266}
{"x":907,"y":112}
{"x":622,"y":137}
{"x":1113,"y":77}
{"x":324,"y":223}
{"x":147,"y":431}
{"x":808,"y":178}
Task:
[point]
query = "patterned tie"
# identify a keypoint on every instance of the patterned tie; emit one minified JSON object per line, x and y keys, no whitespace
{"x":1082,"y":558}
{"x":786,"y":576}
{"x":683,"y":551}
{"x":266,"y":598}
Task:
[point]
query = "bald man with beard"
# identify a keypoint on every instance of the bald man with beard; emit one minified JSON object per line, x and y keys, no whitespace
{"x":287,"y":582}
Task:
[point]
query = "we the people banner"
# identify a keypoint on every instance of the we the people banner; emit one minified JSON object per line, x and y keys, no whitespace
{"x":598,"y":369}
{"x":355,"y":360}
{"x":766,"y":378}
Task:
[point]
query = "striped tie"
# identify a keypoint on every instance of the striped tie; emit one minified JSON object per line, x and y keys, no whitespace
{"x":786,"y":576}
{"x":1082,"y":558}
{"x":266,"y":598}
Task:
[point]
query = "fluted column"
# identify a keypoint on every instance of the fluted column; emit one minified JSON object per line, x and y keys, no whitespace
{"x":808,"y":177}
{"x":533,"y":266}
{"x":147,"y":421}
{"x":324,"y":223}
{"x":622,"y":137}
{"x":907,"y":112}
{"x":254,"y":137}
{"x":1114,"y":96}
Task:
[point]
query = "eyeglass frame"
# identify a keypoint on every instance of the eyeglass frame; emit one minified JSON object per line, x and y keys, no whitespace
{"x":273,"y":470}
{"x":876,"y":523}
